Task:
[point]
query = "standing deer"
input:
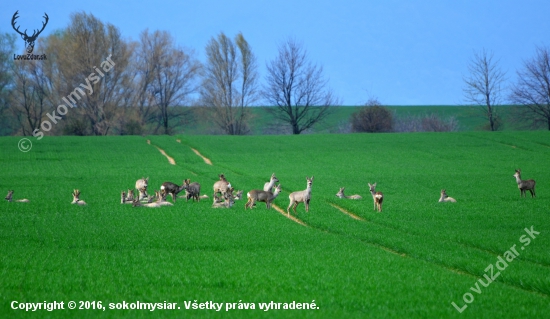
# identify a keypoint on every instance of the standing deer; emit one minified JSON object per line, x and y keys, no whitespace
{"x":76,"y":198}
{"x":172,"y":189}
{"x":300,"y":197}
{"x":525,"y":185}
{"x":377,"y":197}
{"x":192,"y":190}
{"x":340,"y":194}
{"x":9,"y":198}
{"x":141,"y":186}
{"x":222,"y":185}
{"x":257,"y":195}
{"x":269,"y":185}
{"x":446,"y":198}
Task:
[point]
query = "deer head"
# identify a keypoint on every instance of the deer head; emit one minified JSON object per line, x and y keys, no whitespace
{"x":29,"y":40}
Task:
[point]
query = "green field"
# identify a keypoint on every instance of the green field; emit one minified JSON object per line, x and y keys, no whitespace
{"x":413,"y":260}
{"x":469,"y":118}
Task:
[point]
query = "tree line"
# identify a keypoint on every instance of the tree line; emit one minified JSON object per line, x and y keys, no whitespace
{"x":156,"y":86}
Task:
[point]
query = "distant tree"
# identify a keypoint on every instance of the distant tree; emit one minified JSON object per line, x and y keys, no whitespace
{"x":373,"y":118}
{"x":29,"y":97}
{"x":532,"y":90}
{"x":297,"y":88}
{"x":167,"y":75}
{"x":484,"y":86}
{"x":7,"y":47}
{"x":229,"y":83}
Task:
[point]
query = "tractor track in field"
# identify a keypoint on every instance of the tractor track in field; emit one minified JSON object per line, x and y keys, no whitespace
{"x":347,"y":212}
{"x":204,"y":158}
{"x":292,"y":218}
{"x":170,"y":159}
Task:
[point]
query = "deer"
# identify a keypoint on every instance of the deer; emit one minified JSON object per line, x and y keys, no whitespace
{"x":340,"y":194}
{"x":161,"y":199}
{"x":172,"y":189}
{"x":300,"y":197}
{"x":76,"y":198}
{"x":446,"y":198}
{"x":222,"y":185}
{"x":130,"y":195}
{"x":238,"y":196}
{"x":377,"y":197}
{"x":124,"y":199}
{"x":227,"y":202}
{"x":9,"y":198}
{"x":192,"y":190}
{"x":525,"y":185}
{"x":141,"y":186}
{"x":257,"y":195}
{"x":29,"y":40}
{"x":137,"y":203}
{"x":269,"y":185}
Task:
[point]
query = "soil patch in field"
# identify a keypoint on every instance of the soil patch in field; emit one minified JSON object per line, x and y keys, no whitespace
{"x":170,"y":159}
{"x":205,"y":159}
{"x":294,"y":219}
{"x":347,"y":212}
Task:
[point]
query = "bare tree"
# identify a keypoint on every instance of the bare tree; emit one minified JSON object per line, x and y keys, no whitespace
{"x":297,"y":89}
{"x":484,"y":86}
{"x":7,"y":47}
{"x":532,"y":91}
{"x":230,"y":83}
{"x":168,"y":77}
{"x":82,"y":49}
{"x":29,"y":101}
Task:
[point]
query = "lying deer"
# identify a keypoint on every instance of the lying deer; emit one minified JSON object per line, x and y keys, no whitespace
{"x":238,"y":196}
{"x":124,"y":199}
{"x":525,"y":185}
{"x":137,"y":203}
{"x":340,"y":194}
{"x":172,"y":189}
{"x":227,"y":202}
{"x":269,"y":185}
{"x":257,"y":195}
{"x":300,"y":197}
{"x":445,"y":198}
{"x":161,"y":199}
{"x":9,"y":198}
{"x":222,"y":185}
{"x":130,"y":195}
{"x":377,"y":197}
{"x":76,"y":198}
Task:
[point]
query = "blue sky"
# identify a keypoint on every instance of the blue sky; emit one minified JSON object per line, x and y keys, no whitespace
{"x":401,"y":52}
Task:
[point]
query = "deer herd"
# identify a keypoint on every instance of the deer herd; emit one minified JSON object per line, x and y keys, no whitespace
{"x":224,"y":195}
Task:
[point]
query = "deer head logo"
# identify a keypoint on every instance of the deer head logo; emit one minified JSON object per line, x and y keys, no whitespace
{"x":29,"y":40}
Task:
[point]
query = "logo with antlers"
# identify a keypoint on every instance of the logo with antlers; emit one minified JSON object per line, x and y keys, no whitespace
{"x":29,"y":40}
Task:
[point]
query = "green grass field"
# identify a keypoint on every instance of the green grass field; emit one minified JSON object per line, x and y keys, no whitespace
{"x":413,"y":260}
{"x":469,"y":118}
